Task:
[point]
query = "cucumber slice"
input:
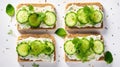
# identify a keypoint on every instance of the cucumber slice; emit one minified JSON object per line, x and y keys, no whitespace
{"x":50,"y":18}
{"x":23,"y":49}
{"x":22,"y":16}
{"x":34,"y":20}
{"x":96,"y":16}
{"x":71,"y":19}
{"x":82,"y":17}
{"x":69,"y":47}
{"x":98,"y":47}
{"x":37,"y":47}
{"x":50,"y":48}
{"x":85,"y":45}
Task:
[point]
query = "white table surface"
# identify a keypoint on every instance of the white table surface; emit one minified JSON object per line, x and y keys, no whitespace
{"x":111,"y":33}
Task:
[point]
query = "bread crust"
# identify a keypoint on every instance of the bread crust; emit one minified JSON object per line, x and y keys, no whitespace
{"x":83,"y":4}
{"x":81,"y":35}
{"x":34,"y":30}
{"x":24,"y":36}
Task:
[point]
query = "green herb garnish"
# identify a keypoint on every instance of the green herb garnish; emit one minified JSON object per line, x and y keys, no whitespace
{"x":10,"y":32}
{"x":41,"y":16}
{"x":35,"y":65}
{"x":31,"y":8}
{"x":10,"y":10}
{"x":61,"y":32}
{"x":77,"y":43}
{"x":108,"y":57}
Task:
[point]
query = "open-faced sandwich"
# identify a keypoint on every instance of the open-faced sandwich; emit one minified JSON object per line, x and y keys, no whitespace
{"x":35,"y":17}
{"x":88,"y":15}
{"x":36,"y":47}
{"x":84,"y":47}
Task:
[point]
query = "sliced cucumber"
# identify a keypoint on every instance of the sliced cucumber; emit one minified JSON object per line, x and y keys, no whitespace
{"x":71,"y":19}
{"x":34,"y":20}
{"x":85,"y":45}
{"x":96,"y":16}
{"x":50,"y":18}
{"x":22,"y":16}
{"x":23,"y":49}
{"x":98,"y":47}
{"x":37,"y":47}
{"x":49,"y":48}
{"x":69,"y":47}
{"x":82,"y":17}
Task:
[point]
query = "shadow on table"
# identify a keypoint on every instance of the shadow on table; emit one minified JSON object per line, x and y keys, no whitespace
{"x":39,"y":64}
{"x":88,"y":64}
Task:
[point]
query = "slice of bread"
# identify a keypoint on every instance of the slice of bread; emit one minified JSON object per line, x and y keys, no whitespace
{"x":24,"y":36}
{"x":80,"y":4}
{"x":35,"y":30}
{"x":80,"y":35}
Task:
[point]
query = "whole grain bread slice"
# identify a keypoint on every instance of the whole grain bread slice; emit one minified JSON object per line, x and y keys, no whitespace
{"x":34,"y":30}
{"x":84,"y":4}
{"x":24,"y":36}
{"x":81,"y":35}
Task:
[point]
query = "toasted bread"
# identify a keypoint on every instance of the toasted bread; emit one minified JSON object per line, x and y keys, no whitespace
{"x":24,"y":36}
{"x":35,"y":30}
{"x":80,"y":35}
{"x":84,"y":4}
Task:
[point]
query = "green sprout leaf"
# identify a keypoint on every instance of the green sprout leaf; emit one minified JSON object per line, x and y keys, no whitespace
{"x":35,"y":65}
{"x":77,"y":43}
{"x":10,"y":32}
{"x":76,"y":40}
{"x":108,"y":57}
{"x":61,"y":32}
{"x":86,"y":9}
{"x":10,"y":10}
{"x":91,"y":42}
{"x":31,"y":8}
{"x":41,"y":16}
{"x":82,"y":56}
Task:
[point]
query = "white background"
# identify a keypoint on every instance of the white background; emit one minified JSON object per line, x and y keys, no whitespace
{"x":111,"y":33}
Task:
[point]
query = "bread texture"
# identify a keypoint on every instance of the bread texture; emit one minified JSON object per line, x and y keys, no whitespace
{"x":84,"y":4}
{"x":80,"y":35}
{"x":34,"y":30}
{"x":24,"y":36}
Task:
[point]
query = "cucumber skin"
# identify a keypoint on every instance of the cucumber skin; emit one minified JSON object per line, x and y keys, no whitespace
{"x":55,"y":18}
{"x":19,"y":53}
{"x":17,"y":17}
{"x":102,"y":50}
{"x":65,"y":49}
{"x":76,"y":19}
